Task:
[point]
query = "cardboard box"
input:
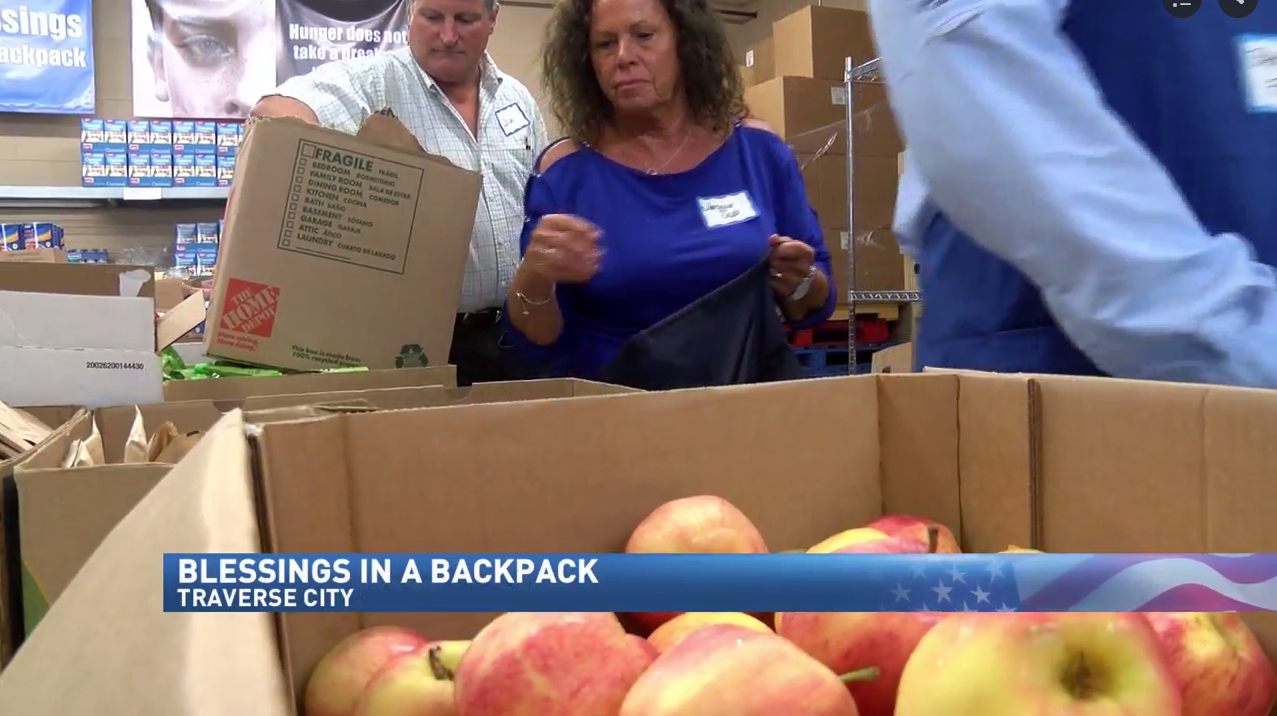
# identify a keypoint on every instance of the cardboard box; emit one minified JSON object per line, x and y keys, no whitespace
{"x":816,"y":40}
{"x":896,"y":359}
{"x":876,"y":186}
{"x":794,"y":105}
{"x":760,"y":61}
{"x":256,"y":386}
{"x":16,"y":429}
{"x":52,"y":256}
{"x":77,"y":335}
{"x":64,"y":513}
{"x":1042,"y":461}
{"x":340,"y":250}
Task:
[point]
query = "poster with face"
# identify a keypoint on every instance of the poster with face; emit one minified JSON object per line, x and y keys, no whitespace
{"x":213,"y":59}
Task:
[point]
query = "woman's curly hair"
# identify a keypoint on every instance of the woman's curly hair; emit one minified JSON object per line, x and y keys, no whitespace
{"x":711,"y":81}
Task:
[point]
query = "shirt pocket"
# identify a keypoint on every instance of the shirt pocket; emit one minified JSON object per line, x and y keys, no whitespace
{"x":508,"y":152}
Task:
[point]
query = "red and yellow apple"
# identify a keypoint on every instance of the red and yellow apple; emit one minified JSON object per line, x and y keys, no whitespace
{"x":729,"y":669}
{"x":1013,"y":664}
{"x":648,"y":647}
{"x":1012,"y":549}
{"x":680,"y":627}
{"x":549,"y":664}
{"x":703,"y":524}
{"x":917,"y":528}
{"x":337,"y":682}
{"x":847,"y":642}
{"x":415,"y":684}
{"x":1217,"y":662}
{"x":846,"y":538}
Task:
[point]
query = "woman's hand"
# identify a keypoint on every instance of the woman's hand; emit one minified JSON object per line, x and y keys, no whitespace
{"x":564,"y":249}
{"x":791,"y":262}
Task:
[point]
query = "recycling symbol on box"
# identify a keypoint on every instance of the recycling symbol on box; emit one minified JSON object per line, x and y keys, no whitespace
{"x":411,"y":356}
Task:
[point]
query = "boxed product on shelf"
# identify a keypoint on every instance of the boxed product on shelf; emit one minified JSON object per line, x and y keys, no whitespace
{"x":41,"y":235}
{"x":104,"y":135}
{"x":194,"y":170}
{"x":11,"y":237}
{"x":195,"y":248}
{"x":208,"y":232}
{"x":30,"y":235}
{"x":226,"y":165}
{"x":104,"y":147}
{"x":194,"y":153}
{"x":228,"y":134}
{"x":88,"y":256}
{"x":150,"y":152}
{"x":228,"y":138}
{"x":104,"y":169}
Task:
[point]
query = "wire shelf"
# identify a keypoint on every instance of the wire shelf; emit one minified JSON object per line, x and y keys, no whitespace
{"x":854,"y":75}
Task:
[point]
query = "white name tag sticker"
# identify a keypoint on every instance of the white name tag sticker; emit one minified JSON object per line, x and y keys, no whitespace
{"x":511,"y":119}
{"x":727,"y":210}
{"x":1259,"y":71}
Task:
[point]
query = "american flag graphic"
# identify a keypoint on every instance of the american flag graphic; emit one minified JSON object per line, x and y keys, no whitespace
{"x":960,"y":583}
{"x":1084,"y":583}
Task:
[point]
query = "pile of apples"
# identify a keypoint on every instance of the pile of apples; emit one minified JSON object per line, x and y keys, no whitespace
{"x":802,"y":664}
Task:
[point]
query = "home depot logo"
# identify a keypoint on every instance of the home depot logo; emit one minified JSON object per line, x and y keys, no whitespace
{"x":250,"y":308}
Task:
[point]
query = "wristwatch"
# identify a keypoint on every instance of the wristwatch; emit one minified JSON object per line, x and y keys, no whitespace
{"x":803,"y":286}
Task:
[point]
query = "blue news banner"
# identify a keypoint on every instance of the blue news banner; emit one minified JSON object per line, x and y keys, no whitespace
{"x":717,"y":583}
{"x":46,"y":56}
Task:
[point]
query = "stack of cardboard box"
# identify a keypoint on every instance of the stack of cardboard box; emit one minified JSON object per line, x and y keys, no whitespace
{"x":796,"y":84}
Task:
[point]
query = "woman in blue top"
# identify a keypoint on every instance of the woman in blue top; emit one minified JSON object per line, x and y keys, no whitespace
{"x":662,"y":192}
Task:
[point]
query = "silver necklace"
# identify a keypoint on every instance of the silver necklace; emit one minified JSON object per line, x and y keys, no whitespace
{"x":653,"y":171}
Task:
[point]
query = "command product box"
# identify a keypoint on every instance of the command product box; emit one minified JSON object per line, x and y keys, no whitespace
{"x":354,"y":253}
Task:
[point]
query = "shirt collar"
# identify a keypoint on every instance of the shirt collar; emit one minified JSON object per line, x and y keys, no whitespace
{"x":490,"y":76}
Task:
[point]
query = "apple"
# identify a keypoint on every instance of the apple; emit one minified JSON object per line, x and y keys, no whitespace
{"x":549,"y":664}
{"x":415,"y":684}
{"x":678,"y":628}
{"x":1217,"y":662}
{"x":1013,"y":664}
{"x":1012,"y":549}
{"x":846,"y":642}
{"x":730,"y":669}
{"x":917,"y":528}
{"x":335,"y":685}
{"x":648,"y":647}
{"x":845,"y":538}
{"x":703,"y":524}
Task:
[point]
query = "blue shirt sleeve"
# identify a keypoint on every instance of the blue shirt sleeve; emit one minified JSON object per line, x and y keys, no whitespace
{"x":1047,"y":177}
{"x":796,"y":219}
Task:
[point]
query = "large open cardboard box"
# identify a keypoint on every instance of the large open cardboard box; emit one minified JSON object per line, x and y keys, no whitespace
{"x":63,"y":513}
{"x":1063,"y":464}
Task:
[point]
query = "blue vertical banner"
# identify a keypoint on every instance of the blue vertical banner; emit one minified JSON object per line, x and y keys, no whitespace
{"x":46,"y":56}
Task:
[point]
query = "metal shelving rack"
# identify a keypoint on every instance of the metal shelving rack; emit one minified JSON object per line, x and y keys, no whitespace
{"x":854,"y":76}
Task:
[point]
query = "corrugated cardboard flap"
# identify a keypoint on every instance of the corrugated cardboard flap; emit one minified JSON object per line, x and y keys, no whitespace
{"x":116,"y":651}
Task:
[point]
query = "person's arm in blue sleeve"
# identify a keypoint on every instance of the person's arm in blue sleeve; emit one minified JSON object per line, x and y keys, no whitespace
{"x":1016,"y":145}
{"x":796,"y":219}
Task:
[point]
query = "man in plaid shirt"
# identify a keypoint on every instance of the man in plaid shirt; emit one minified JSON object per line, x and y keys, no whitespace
{"x":447,"y":90}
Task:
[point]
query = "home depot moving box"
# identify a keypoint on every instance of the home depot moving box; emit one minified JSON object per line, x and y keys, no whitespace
{"x":64,"y":513}
{"x":340,"y":250}
{"x":1049,"y":462}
